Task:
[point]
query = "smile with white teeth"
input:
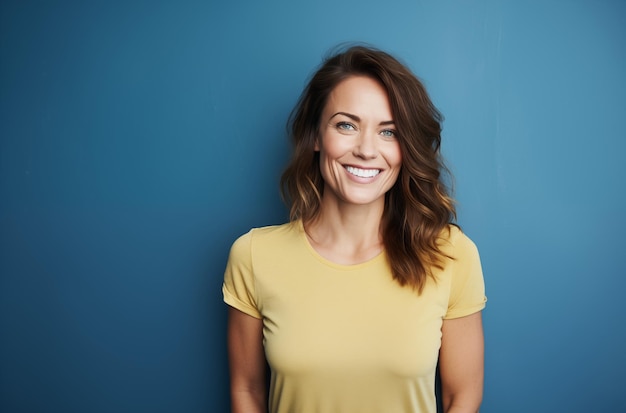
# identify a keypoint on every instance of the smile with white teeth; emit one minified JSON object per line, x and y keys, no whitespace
{"x":362,"y":173}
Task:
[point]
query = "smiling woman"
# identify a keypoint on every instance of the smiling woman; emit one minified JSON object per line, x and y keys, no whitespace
{"x":359,"y":155}
{"x":355,"y":302}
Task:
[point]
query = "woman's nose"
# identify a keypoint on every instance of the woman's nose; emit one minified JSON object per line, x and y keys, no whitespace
{"x":366,"y":146}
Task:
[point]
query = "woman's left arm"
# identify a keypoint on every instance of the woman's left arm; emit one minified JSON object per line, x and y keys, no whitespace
{"x":461,"y":364}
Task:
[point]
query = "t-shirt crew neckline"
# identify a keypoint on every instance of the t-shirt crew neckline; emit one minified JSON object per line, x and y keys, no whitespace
{"x":325,"y":261}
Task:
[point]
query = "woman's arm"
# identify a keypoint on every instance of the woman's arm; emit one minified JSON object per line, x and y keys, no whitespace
{"x":247,"y":363}
{"x":461,"y":364}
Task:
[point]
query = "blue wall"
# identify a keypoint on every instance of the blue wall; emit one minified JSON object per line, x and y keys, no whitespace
{"x":138,"y":139}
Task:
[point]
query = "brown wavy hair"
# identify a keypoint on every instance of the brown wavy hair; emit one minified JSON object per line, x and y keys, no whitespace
{"x":418,"y":207}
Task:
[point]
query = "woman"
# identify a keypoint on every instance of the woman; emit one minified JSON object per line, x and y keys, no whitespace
{"x":356,"y":301}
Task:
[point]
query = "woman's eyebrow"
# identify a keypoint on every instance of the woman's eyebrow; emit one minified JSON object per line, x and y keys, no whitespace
{"x":349,"y":115}
{"x":358,"y":119}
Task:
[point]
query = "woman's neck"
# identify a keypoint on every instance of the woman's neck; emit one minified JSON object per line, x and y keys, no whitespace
{"x":347,"y":234}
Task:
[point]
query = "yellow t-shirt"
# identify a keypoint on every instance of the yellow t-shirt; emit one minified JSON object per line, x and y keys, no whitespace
{"x":347,"y":338}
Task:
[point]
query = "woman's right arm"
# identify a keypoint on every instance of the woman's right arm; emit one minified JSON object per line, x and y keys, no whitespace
{"x":247,"y":363}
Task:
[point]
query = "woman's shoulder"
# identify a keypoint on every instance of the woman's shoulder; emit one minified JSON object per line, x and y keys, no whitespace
{"x":270,"y":233}
{"x":455,"y":241}
{"x":271,"y":237}
{"x":274,"y":231}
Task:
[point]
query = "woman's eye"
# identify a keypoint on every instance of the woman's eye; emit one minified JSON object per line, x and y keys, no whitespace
{"x":345,"y":126}
{"x":388,"y":133}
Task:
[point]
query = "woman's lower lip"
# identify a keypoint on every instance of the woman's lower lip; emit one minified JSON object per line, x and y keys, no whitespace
{"x":362,"y":179}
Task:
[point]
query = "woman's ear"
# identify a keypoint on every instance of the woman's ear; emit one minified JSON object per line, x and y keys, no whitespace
{"x":317,"y":144}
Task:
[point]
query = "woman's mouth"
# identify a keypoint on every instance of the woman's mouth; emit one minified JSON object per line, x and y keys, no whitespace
{"x":362,"y":173}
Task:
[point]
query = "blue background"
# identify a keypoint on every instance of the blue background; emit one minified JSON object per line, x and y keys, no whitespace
{"x":140,"y":138}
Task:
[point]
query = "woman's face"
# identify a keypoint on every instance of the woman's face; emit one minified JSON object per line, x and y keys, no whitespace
{"x":360,"y":155}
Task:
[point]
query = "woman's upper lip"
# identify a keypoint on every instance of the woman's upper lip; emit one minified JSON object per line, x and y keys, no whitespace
{"x":361,"y":166}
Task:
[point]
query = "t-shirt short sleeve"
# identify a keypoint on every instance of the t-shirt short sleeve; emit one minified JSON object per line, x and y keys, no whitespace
{"x":467,"y":291}
{"x":239,"y":288}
